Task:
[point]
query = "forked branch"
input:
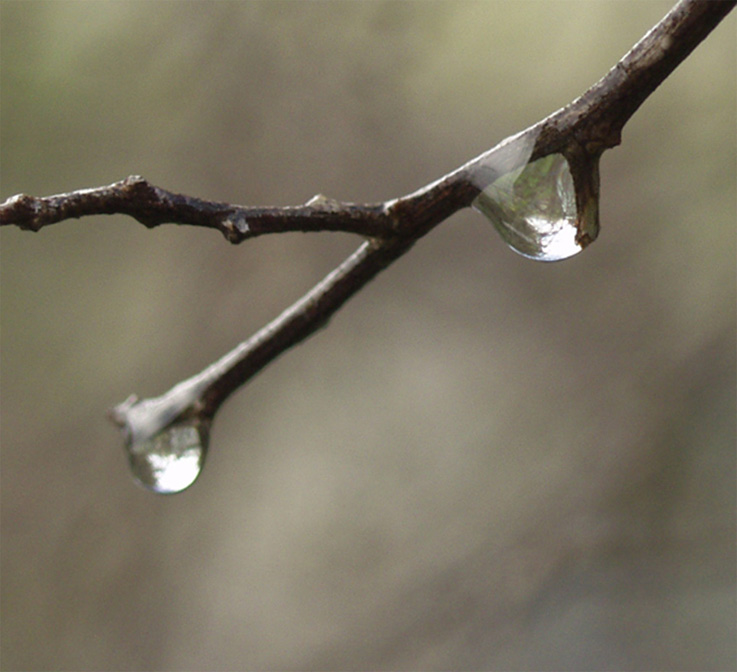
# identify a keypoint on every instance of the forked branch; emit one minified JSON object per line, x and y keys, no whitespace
{"x":581,"y":131}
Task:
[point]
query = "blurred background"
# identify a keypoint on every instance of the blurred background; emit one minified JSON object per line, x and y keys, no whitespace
{"x":483,"y":462}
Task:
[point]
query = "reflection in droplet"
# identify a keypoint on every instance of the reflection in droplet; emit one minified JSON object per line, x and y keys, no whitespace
{"x":534,"y":210}
{"x":171,"y":460}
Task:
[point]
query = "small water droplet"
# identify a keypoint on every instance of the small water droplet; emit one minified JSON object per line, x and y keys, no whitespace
{"x":172,"y":459}
{"x":534,"y":210}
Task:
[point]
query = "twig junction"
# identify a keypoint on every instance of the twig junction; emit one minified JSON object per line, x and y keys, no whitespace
{"x":582,"y":131}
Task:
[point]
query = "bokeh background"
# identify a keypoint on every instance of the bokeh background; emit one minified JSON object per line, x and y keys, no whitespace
{"x":482,"y":463}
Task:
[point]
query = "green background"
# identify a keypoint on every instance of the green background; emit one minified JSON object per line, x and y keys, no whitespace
{"x":482,"y":463}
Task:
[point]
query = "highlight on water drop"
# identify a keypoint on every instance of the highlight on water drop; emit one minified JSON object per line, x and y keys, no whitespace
{"x":172,"y":459}
{"x":535,"y":205}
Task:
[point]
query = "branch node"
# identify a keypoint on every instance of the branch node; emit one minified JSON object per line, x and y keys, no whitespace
{"x":235,"y":227}
{"x":23,"y":210}
{"x":324,"y":204}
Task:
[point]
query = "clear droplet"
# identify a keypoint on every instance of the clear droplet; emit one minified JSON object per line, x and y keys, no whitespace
{"x":534,"y":209}
{"x":172,"y":459}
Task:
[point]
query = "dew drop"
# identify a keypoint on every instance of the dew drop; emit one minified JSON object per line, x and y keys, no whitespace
{"x":534,"y":210}
{"x":171,"y":460}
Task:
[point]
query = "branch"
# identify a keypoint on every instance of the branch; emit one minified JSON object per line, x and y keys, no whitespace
{"x":152,"y":206}
{"x":581,"y":131}
{"x":593,"y":121}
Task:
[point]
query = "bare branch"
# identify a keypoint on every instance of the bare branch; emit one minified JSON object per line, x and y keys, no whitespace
{"x":153,"y":206}
{"x":593,"y":121}
{"x":581,"y":131}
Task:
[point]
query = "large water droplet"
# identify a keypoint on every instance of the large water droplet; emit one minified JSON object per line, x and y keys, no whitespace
{"x":534,"y":209}
{"x":172,"y":459}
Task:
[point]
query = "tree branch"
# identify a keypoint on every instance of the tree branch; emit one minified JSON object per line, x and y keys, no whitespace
{"x":153,"y":206}
{"x":594,"y":121}
{"x":581,"y":131}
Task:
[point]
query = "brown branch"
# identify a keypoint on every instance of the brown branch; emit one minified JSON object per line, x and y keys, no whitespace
{"x":593,"y":121}
{"x":153,"y":206}
{"x":581,"y":131}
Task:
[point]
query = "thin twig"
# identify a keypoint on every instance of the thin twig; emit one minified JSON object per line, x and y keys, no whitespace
{"x":152,"y":206}
{"x":582,"y":131}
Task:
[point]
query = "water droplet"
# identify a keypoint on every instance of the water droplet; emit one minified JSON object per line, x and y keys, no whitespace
{"x":172,"y":459}
{"x":534,"y":209}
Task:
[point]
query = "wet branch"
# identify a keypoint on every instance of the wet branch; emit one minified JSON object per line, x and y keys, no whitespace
{"x":581,"y":131}
{"x":152,"y":206}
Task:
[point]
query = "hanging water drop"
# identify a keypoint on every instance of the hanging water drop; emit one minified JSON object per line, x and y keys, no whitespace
{"x":535,"y":209}
{"x":172,"y":459}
